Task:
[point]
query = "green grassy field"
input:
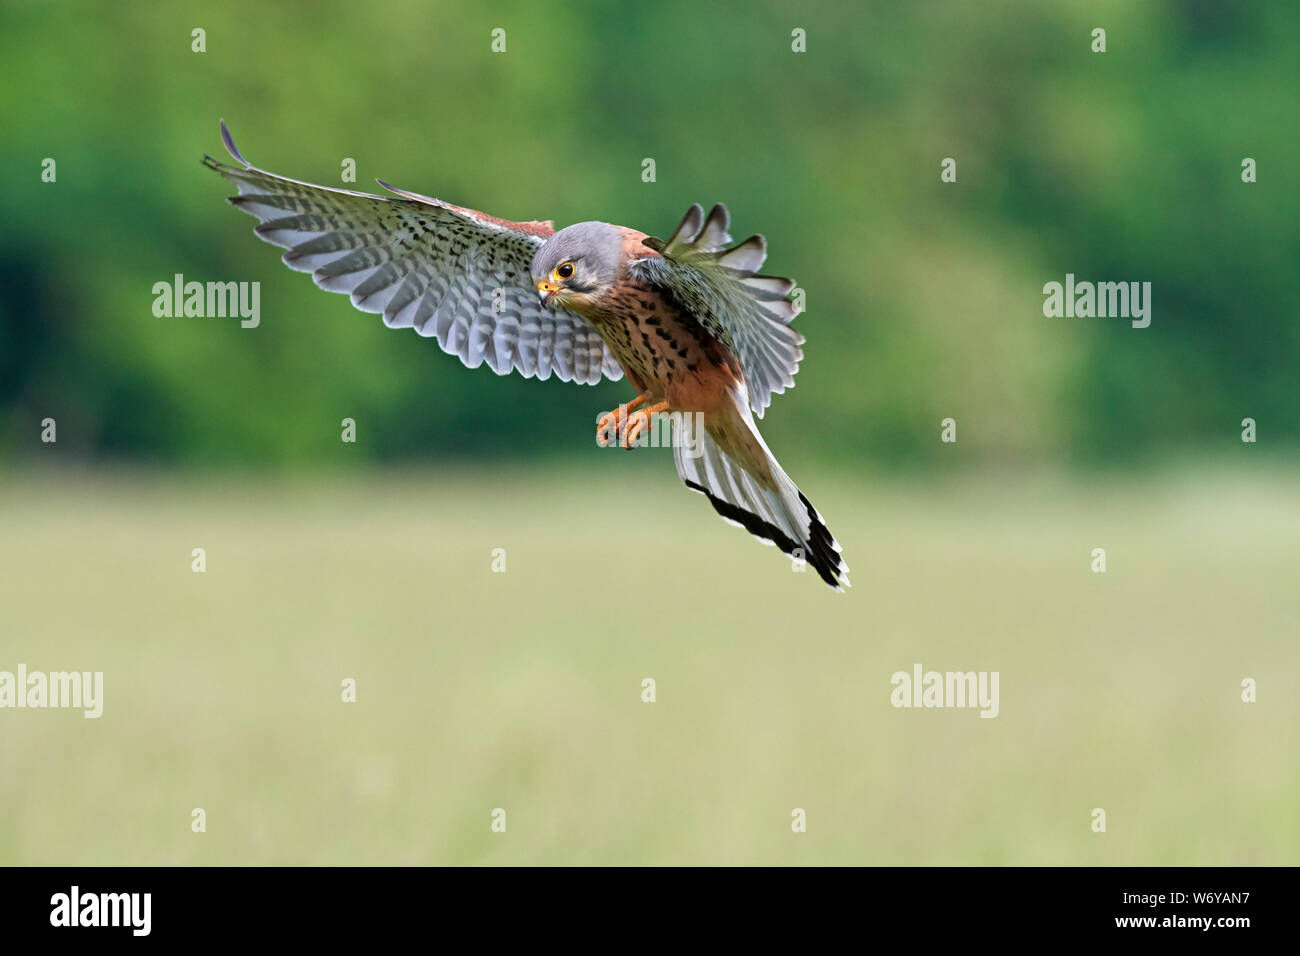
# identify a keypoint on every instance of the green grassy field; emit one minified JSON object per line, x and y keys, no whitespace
{"x":522,"y":690}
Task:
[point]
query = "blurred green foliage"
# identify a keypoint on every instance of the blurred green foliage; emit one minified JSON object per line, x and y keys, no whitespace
{"x":924,"y":298}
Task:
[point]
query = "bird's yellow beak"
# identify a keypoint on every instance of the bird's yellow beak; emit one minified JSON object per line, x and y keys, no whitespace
{"x":545,"y":290}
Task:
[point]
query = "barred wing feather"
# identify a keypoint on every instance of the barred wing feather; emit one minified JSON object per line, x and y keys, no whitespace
{"x":452,"y":274}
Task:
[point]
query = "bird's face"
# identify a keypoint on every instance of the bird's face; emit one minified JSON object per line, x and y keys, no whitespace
{"x":577,"y":266}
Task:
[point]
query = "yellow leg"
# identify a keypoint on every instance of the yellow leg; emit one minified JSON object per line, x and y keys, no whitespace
{"x":612,"y":423}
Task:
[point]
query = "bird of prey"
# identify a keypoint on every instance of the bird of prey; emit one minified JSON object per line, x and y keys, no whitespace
{"x":696,"y":331}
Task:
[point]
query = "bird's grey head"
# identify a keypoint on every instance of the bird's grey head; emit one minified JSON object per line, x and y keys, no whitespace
{"x":578,"y":265}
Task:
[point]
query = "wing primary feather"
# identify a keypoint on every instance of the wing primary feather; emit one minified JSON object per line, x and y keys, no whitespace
{"x":688,"y":228}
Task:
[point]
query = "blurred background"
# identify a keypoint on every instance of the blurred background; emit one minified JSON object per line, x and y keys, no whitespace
{"x":522,"y":690}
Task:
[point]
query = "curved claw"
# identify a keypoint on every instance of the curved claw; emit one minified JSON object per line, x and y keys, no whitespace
{"x":611,"y":424}
{"x":607,"y":428}
{"x":639,"y":423}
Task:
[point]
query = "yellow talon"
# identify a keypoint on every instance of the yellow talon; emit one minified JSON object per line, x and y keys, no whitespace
{"x":639,"y":422}
{"x":611,"y":424}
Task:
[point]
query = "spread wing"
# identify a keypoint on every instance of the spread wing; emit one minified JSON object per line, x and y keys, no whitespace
{"x":453,"y":274}
{"x":750,"y":314}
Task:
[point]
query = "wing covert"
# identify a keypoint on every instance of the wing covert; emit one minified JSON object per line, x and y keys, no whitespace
{"x":748,"y":313}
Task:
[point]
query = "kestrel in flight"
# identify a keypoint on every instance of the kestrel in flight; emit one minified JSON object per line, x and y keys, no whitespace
{"x":698,"y":333}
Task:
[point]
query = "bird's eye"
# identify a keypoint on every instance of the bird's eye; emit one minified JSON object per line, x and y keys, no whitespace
{"x":564,"y":270}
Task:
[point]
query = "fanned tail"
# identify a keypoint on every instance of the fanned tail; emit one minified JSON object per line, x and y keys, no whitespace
{"x":731,"y":465}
